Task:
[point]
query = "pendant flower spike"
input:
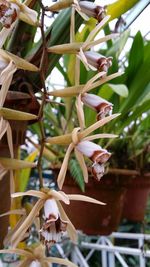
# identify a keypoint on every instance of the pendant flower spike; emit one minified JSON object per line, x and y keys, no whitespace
{"x":10,"y":12}
{"x":56,"y":220}
{"x":35,"y":257}
{"x":80,"y":142}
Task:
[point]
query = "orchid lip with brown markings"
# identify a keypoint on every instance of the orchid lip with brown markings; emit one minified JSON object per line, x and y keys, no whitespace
{"x":93,"y":151}
{"x":8,"y":13}
{"x":102,"y":106}
{"x":92,"y":10}
{"x":98,"y":61}
{"x":56,"y":220}
{"x":53,"y":226}
{"x":98,"y":171}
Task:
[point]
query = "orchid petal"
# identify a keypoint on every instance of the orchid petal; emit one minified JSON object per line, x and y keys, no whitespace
{"x":5,"y":80}
{"x":99,"y":136}
{"x":93,"y":79}
{"x":97,"y":125}
{"x":28,"y":15}
{"x":75,"y":90}
{"x":96,"y":30}
{"x":10,"y":141}
{"x":63,"y":170}
{"x":3,"y":127}
{"x":59,"y":195}
{"x":19,"y":62}
{"x":82,"y":164}
{"x":83,"y":15}
{"x":101,"y":40}
{"x":17,"y":211}
{"x":3,"y":171}
{"x":70,"y":227}
{"x":34,"y":193}
{"x":18,"y":235}
{"x":5,"y":33}
{"x":82,"y":57}
{"x":85,"y":198}
{"x":16,"y":251}
{"x":11,"y":232}
{"x":80,"y":112}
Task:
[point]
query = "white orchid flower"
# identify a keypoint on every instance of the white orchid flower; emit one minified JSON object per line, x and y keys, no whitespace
{"x":86,"y":9}
{"x":55,"y":219}
{"x":97,"y":103}
{"x":76,"y":141}
{"x":10,"y":12}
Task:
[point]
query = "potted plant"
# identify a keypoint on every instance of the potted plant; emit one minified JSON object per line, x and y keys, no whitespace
{"x":19,"y":54}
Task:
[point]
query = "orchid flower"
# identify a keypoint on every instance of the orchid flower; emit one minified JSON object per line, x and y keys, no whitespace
{"x":55,"y":219}
{"x":10,"y":12}
{"x":86,"y":9}
{"x":78,"y":141}
{"x":102,"y":106}
{"x":35,"y":257}
{"x":9,"y":63}
{"x":81,"y":47}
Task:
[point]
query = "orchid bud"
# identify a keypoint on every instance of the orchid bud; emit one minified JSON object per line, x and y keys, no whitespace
{"x":92,"y":10}
{"x":53,"y":226}
{"x":8,"y":13}
{"x":35,"y":264}
{"x":93,"y":151}
{"x":98,"y":171}
{"x":98,"y":61}
{"x":97,"y":103}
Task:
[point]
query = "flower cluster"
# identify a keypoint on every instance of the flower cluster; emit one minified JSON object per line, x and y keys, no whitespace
{"x":54,"y":220}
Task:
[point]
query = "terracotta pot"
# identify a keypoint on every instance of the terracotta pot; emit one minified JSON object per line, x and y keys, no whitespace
{"x":95,"y":219}
{"x":19,"y":101}
{"x":136,"y":197}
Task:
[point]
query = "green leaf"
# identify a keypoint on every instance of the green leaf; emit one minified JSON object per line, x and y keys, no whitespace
{"x":119,"y":89}
{"x":25,"y":173}
{"x":136,"y":56}
{"x":119,"y":44}
{"x":76,"y":173}
{"x":119,"y":7}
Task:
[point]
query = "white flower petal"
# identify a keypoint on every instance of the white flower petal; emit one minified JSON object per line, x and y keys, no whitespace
{"x":35,"y":264}
{"x":51,"y":208}
{"x":88,"y":148}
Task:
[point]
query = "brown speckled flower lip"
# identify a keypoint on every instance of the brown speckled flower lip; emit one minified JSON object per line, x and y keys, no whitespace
{"x":98,"y":171}
{"x":53,"y":226}
{"x":8,"y":13}
{"x":92,"y":10}
{"x":98,"y":61}
{"x":95,"y":102}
